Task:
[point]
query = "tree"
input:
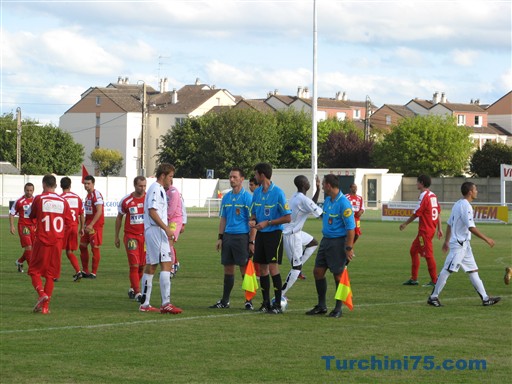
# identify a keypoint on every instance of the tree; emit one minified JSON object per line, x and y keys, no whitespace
{"x":433,"y":145}
{"x":486,"y":162}
{"x":108,"y":161}
{"x":346,"y":149}
{"x":44,"y":149}
{"x":236,"y":137}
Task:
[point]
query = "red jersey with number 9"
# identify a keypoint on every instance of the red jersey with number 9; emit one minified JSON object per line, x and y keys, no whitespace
{"x":53,"y":216}
{"x":428,"y":210}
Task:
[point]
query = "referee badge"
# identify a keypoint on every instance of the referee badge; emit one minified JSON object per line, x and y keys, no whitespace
{"x":267,"y":211}
{"x":238,"y":211}
{"x":347,"y":212}
{"x":330,"y":220}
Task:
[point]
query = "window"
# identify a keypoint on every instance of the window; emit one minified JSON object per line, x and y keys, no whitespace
{"x":478,"y":121}
{"x":180,"y":120}
{"x":388,"y":119}
{"x":97,"y":142}
{"x":341,"y":116}
{"x":461,"y":119}
{"x":134,"y":143}
{"x":98,"y":100}
{"x":357,"y":113}
{"x":156,"y":143}
{"x":157,"y":122}
{"x":98,"y":121}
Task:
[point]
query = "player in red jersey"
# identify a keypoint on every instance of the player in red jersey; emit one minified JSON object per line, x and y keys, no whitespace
{"x":53,"y":216}
{"x":429,"y":212}
{"x":132,"y":206}
{"x":93,"y":231}
{"x":26,"y":226}
{"x":71,"y":237}
{"x":358,"y":208}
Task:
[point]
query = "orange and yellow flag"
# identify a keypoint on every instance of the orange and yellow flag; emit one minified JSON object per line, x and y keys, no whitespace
{"x":344,"y":292}
{"x":250,"y":283}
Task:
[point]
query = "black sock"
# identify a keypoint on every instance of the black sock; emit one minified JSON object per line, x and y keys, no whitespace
{"x":265,"y":288}
{"x":278,"y":288}
{"x":229,"y":282}
{"x":321,"y":290}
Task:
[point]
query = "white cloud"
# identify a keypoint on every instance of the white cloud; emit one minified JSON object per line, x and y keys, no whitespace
{"x":465,"y":58}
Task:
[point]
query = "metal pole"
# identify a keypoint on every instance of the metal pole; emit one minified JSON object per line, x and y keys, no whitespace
{"x":314,"y":138}
{"x":143,"y":133}
{"x":18,"y":139}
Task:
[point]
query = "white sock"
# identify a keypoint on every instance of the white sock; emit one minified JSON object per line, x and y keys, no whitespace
{"x":290,"y":280}
{"x":441,"y":282}
{"x":307,"y":253}
{"x":147,"y":286}
{"x":478,"y":284}
{"x":165,"y":286}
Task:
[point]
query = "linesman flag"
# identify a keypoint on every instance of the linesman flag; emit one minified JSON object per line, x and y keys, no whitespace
{"x":250,"y":283}
{"x":344,"y":292}
{"x":84,"y":173}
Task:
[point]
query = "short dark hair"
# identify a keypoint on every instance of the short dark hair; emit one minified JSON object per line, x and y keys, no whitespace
{"x":425,"y":180}
{"x":264,"y":169}
{"x":28,"y":185}
{"x":332,"y":180}
{"x":253,"y":180}
{"x":239,"y":170}
{"x":50,"y":181}
{"x":466,"y":187}
{"x":137,"y":179}
{"x":65,"y":182}
{"x":91,"y":178}
{"x":164,"y":169}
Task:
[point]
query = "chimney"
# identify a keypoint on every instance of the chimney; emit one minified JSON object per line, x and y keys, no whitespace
{"x":166,"y":84}
{"x":344,"y":96}
{"x":276,"y":91}
{"x":161,"y":85}
{"x":119,"y":80}
{"x":306,"y":92}
{"x":471,"y":101}
{"x":300,"y":93}
{"x":435,"y":98}
{"x":174,"y":96}
{"x":338,"y":96}
{"x":443,"y":97}
{"x":477,"y":101}
{"x":198,"y":81}
{"x":213,"y":86}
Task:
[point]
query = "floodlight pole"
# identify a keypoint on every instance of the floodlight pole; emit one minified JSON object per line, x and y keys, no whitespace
{"x":18,"y":139}
{"x":314,"y":136}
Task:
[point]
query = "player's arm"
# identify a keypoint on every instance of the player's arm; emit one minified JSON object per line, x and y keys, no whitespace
{"x":153,"y":213}
{"x":409,"y":221}
{"x":447,"y":238}
{"x":11,"y":224}
{"x":97,"y":215}
{"x":222,"y":228}
{"x":117,"y":229}
{"x":81,"y":221}
{"x":477,"y":233}
{"x":349,"y":243}
{"x":317,"y":191}
{"x":439,"y":227}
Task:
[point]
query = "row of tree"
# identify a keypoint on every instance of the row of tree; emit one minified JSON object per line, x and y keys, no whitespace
{"x":424,"y":144}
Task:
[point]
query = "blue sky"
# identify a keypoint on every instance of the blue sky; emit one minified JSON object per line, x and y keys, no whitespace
{"x":392,"y":51}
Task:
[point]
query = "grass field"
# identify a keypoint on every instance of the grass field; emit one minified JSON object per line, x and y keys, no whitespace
{"x":96,"y":335}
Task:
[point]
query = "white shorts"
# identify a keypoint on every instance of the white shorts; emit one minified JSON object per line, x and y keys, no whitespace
{"x":157,"y":246}
{"x":460,"y":256}
{"x":294,"y":246}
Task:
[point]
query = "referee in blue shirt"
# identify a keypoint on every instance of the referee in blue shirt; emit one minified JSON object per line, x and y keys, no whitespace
{"x":335,"y":250}
{"x":269,"y":211}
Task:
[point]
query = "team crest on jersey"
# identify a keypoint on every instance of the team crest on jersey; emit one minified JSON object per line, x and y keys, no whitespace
{"x":133,"y":210}
{"x":330,"y":220}
{"x":266,"y":211}
{"x":140,"y":205}
{"x":131,"y":245}
{"x":25,"y":231}
{"x":237,"y":211}
{"x":286,"y":206}
{"x":347,"y":212}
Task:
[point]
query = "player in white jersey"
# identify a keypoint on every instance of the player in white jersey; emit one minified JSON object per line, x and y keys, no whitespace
{"x":157,"y":235}
{"x":458,"y":236}
{"x":299,"y":245}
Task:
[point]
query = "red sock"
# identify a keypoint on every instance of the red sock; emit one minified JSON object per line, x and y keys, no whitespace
{"x":74,"y":261}
{"x":27,"y":253}
{"x":432,"y":269}
{"x":96,"y":256}
{"x":37,"y":283}
{"x":415,"y":259}
{"x":140,"y":272}
{"x":84,"y":257}
{"x":48,"y":286}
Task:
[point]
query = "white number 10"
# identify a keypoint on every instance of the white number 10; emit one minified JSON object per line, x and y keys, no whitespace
{"x":58,"y":223}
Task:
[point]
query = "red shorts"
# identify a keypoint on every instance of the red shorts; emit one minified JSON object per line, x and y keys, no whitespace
{"x":357,"y":230}
{"x":45,"y":260}
{"x":422,"y":245}
{"x":27,"y":233}
{"x":71,"y":239}
{"x":135,"y":249}
{"x":95,"y":239}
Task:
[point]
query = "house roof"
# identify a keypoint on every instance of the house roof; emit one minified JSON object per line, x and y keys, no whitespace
{"x":424,"y":103}
{"x":257,"y":104}
{"x":7,"y":168}
{"x":284,"y":99}
{"x":456,"y":107}
{"x":190,"y":97}
{"x":401,"y":110}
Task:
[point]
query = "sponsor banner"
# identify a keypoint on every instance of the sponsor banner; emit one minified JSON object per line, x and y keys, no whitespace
{"x":491,"y":213}
{"x":110,"y":208}
{"x":506,"y":172}
{"x":397,"y":211}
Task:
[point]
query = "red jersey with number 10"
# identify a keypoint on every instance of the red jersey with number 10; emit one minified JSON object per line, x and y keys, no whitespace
{"x":76,"y":206}
{"x":133,"y":208}
{"x":428,"y":210}
{"x":53,"y":216}
{"x":91,"y":201}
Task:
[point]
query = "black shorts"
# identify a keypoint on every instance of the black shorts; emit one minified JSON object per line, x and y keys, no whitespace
{"x":235,"y":249}
{"x":331,"y":255}
{"x":269,"y":247}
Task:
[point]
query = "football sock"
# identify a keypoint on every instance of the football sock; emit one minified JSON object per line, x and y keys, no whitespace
{"x":478,"y":284}
{"x":278,"y":286}
{"x":26,"y":256}
{"x":229,"y":282}
{"x":441,"y":282}
{"x":134,"y":278}
{"x":165,"y":286}
{"x":321,"y":290}
{"x":147,"y":286}
{"x":307,"y":253}
{"x":96,"y":257}
{"x":84,"y":257}
{"x":292,"y":277}
{"x":141,"y":272}
{"x":432,"y":269}
{"x":415,"y":265}
{"x":74,"y":261}
{"x":37,"y":283}
{"x":48,"y":286}
{"x":265,"y":288}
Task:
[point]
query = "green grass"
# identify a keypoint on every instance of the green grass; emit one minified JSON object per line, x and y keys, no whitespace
{"x":95,"y":333}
